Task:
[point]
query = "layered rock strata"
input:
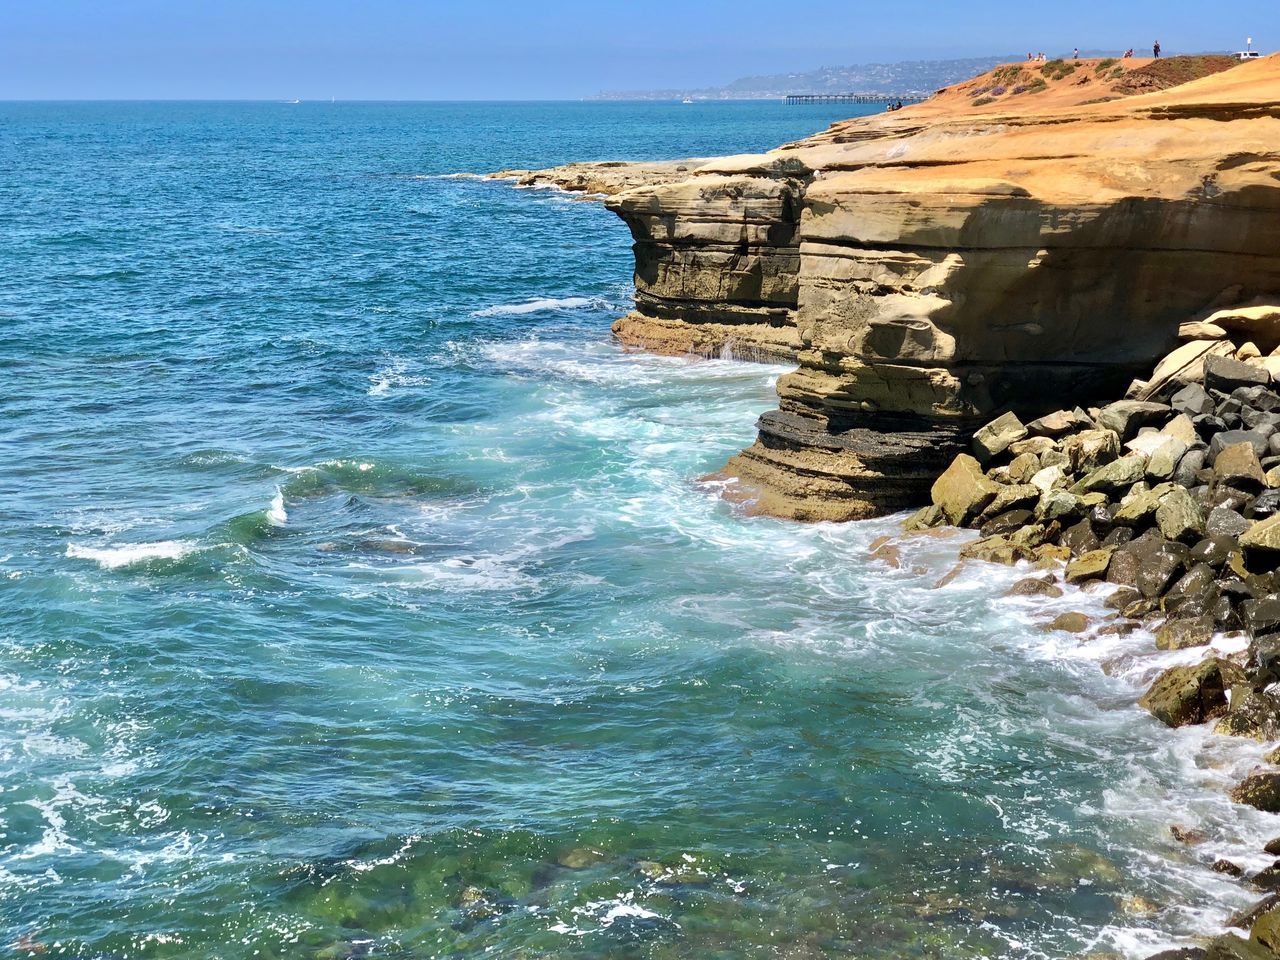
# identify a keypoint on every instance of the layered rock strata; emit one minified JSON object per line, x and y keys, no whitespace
{"x":934,"y":266}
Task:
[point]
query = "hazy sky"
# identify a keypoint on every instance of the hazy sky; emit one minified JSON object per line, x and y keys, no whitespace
{"x":384,"y":49}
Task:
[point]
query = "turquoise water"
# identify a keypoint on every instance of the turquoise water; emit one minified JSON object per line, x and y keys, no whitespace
{"x":360,"y":598}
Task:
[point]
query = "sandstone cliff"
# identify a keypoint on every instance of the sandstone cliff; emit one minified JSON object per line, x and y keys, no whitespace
{"x":984,"y":251}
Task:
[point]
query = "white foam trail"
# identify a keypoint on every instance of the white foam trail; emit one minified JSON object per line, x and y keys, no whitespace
{"x":277,"y":515}
{"x":112,"y":558}
{"x":542,"y":305}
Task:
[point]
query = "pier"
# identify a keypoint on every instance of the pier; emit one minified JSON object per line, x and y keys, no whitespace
{"x":851,"y":98}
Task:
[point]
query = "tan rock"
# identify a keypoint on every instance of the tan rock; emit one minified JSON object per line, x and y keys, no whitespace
{"x":1199,"y":330}
{"x":1263,"y":536}
{"x":1089,"y":566}
{"x":1034,"y":446}
{"x":995,"y":438}
{"x":963,"y":491}
{"x":1239,"y":462}
{"x":1091,"y":449}
{"x":1248,"y":351}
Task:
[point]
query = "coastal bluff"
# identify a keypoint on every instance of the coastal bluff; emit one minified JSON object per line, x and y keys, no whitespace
{"x":1029,"y":240}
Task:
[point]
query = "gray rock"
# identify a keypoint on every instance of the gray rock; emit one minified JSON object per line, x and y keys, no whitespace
{"x":1222,"y":373}
{"x":1126,"y":417}
{"x":1189,"y":466}
{"x":1225,"y":522}
{"x":1193,"y":400}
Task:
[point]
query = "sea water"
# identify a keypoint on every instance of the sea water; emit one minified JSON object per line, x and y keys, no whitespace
{"x":359,"y":597}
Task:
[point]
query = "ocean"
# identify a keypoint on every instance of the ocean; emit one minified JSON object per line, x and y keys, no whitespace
{"x":359,"y":597}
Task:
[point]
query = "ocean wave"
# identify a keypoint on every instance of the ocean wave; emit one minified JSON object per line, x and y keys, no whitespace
{"x":128,"y":555}
{"x":397,"y":373}
{"x":544,"y":304}
{"x":377,"y":478}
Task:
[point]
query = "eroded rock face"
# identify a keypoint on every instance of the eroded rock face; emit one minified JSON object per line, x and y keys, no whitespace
{"x":931,"y":268}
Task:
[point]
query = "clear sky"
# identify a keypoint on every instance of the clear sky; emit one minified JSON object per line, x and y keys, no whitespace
{"x":495,"y":49}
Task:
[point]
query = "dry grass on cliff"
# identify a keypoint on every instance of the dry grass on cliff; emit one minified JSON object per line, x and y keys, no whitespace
{"x":1063,"y":83}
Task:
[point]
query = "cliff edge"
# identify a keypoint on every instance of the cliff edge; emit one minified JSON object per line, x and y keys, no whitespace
{"x":1027,"y":240}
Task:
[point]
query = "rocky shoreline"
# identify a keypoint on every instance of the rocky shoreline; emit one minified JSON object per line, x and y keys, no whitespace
{"x":1169,"y":506}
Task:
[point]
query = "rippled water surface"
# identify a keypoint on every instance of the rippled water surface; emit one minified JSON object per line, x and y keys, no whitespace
{"x":360,"y":598}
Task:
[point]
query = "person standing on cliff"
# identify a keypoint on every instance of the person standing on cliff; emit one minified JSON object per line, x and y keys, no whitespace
{"x":1076,"y":55}
{"x":1155,"y":49}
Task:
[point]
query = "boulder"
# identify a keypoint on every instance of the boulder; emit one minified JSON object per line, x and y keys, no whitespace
{"x":1244,"y":919}
{"x":1266,"y":930}
{"x":1035,"y":587}
{"x":1113,"y":477}
{"x":1159,"y":562}
{"x":1179,"y":517}
{"x":1080,"y":538}
{"x":1166,"y":456}
{"x":1137,"y":509}
{"x":1060,"y":505}
{"x":1068,"y":623}
{"x":997,"y":549}
{"x":1059,"y":423}
{"x":1262,"y":537}
{"x":1023,"y":467}
{"x":1183,"y":633}
{"x":1090,"y":449}
{"x":1228,"y":438}
{"x":1192,"y":401}
{"x":1185,"y":365}
{"x":994,"y":438}
{"x":1250,"y":714}
{"x":1260,"y":789}
{"x":1225,"y":374}
{"x":1248,"y":351}
{"x":1258,"y":321}
{"x":1180,"y":428}
{"x":1035,"y":446}
{"x":963,"y":491}
{"x":1192,"y":694}
{"x":1047,"y":479}
{"x":1007,"y":522}
{"x":1225,"y":522}
{"x":1013,"y":497}
{"x":1200,"y":330}
{"x":1126,"y":417}
{"x":1089,"y":566}
{"x":1238,"y":463}
{"x":1228,"y":946}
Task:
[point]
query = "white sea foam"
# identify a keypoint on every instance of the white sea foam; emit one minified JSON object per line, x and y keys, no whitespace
{"x":126,"y":555}
{"x":276,"y":514}
{"x":542,"y":305}
{"x":397,"y":373}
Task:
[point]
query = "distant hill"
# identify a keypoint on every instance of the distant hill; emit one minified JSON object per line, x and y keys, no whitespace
{"x":911,"y":77}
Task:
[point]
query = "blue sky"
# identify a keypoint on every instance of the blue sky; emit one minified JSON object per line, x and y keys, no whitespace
{"x":383,"y":49}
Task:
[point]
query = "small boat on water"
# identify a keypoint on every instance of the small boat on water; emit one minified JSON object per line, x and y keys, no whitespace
{"x":687,"y":100}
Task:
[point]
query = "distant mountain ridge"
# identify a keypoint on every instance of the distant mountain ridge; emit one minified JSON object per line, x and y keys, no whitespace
{"x":909,"y":77}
